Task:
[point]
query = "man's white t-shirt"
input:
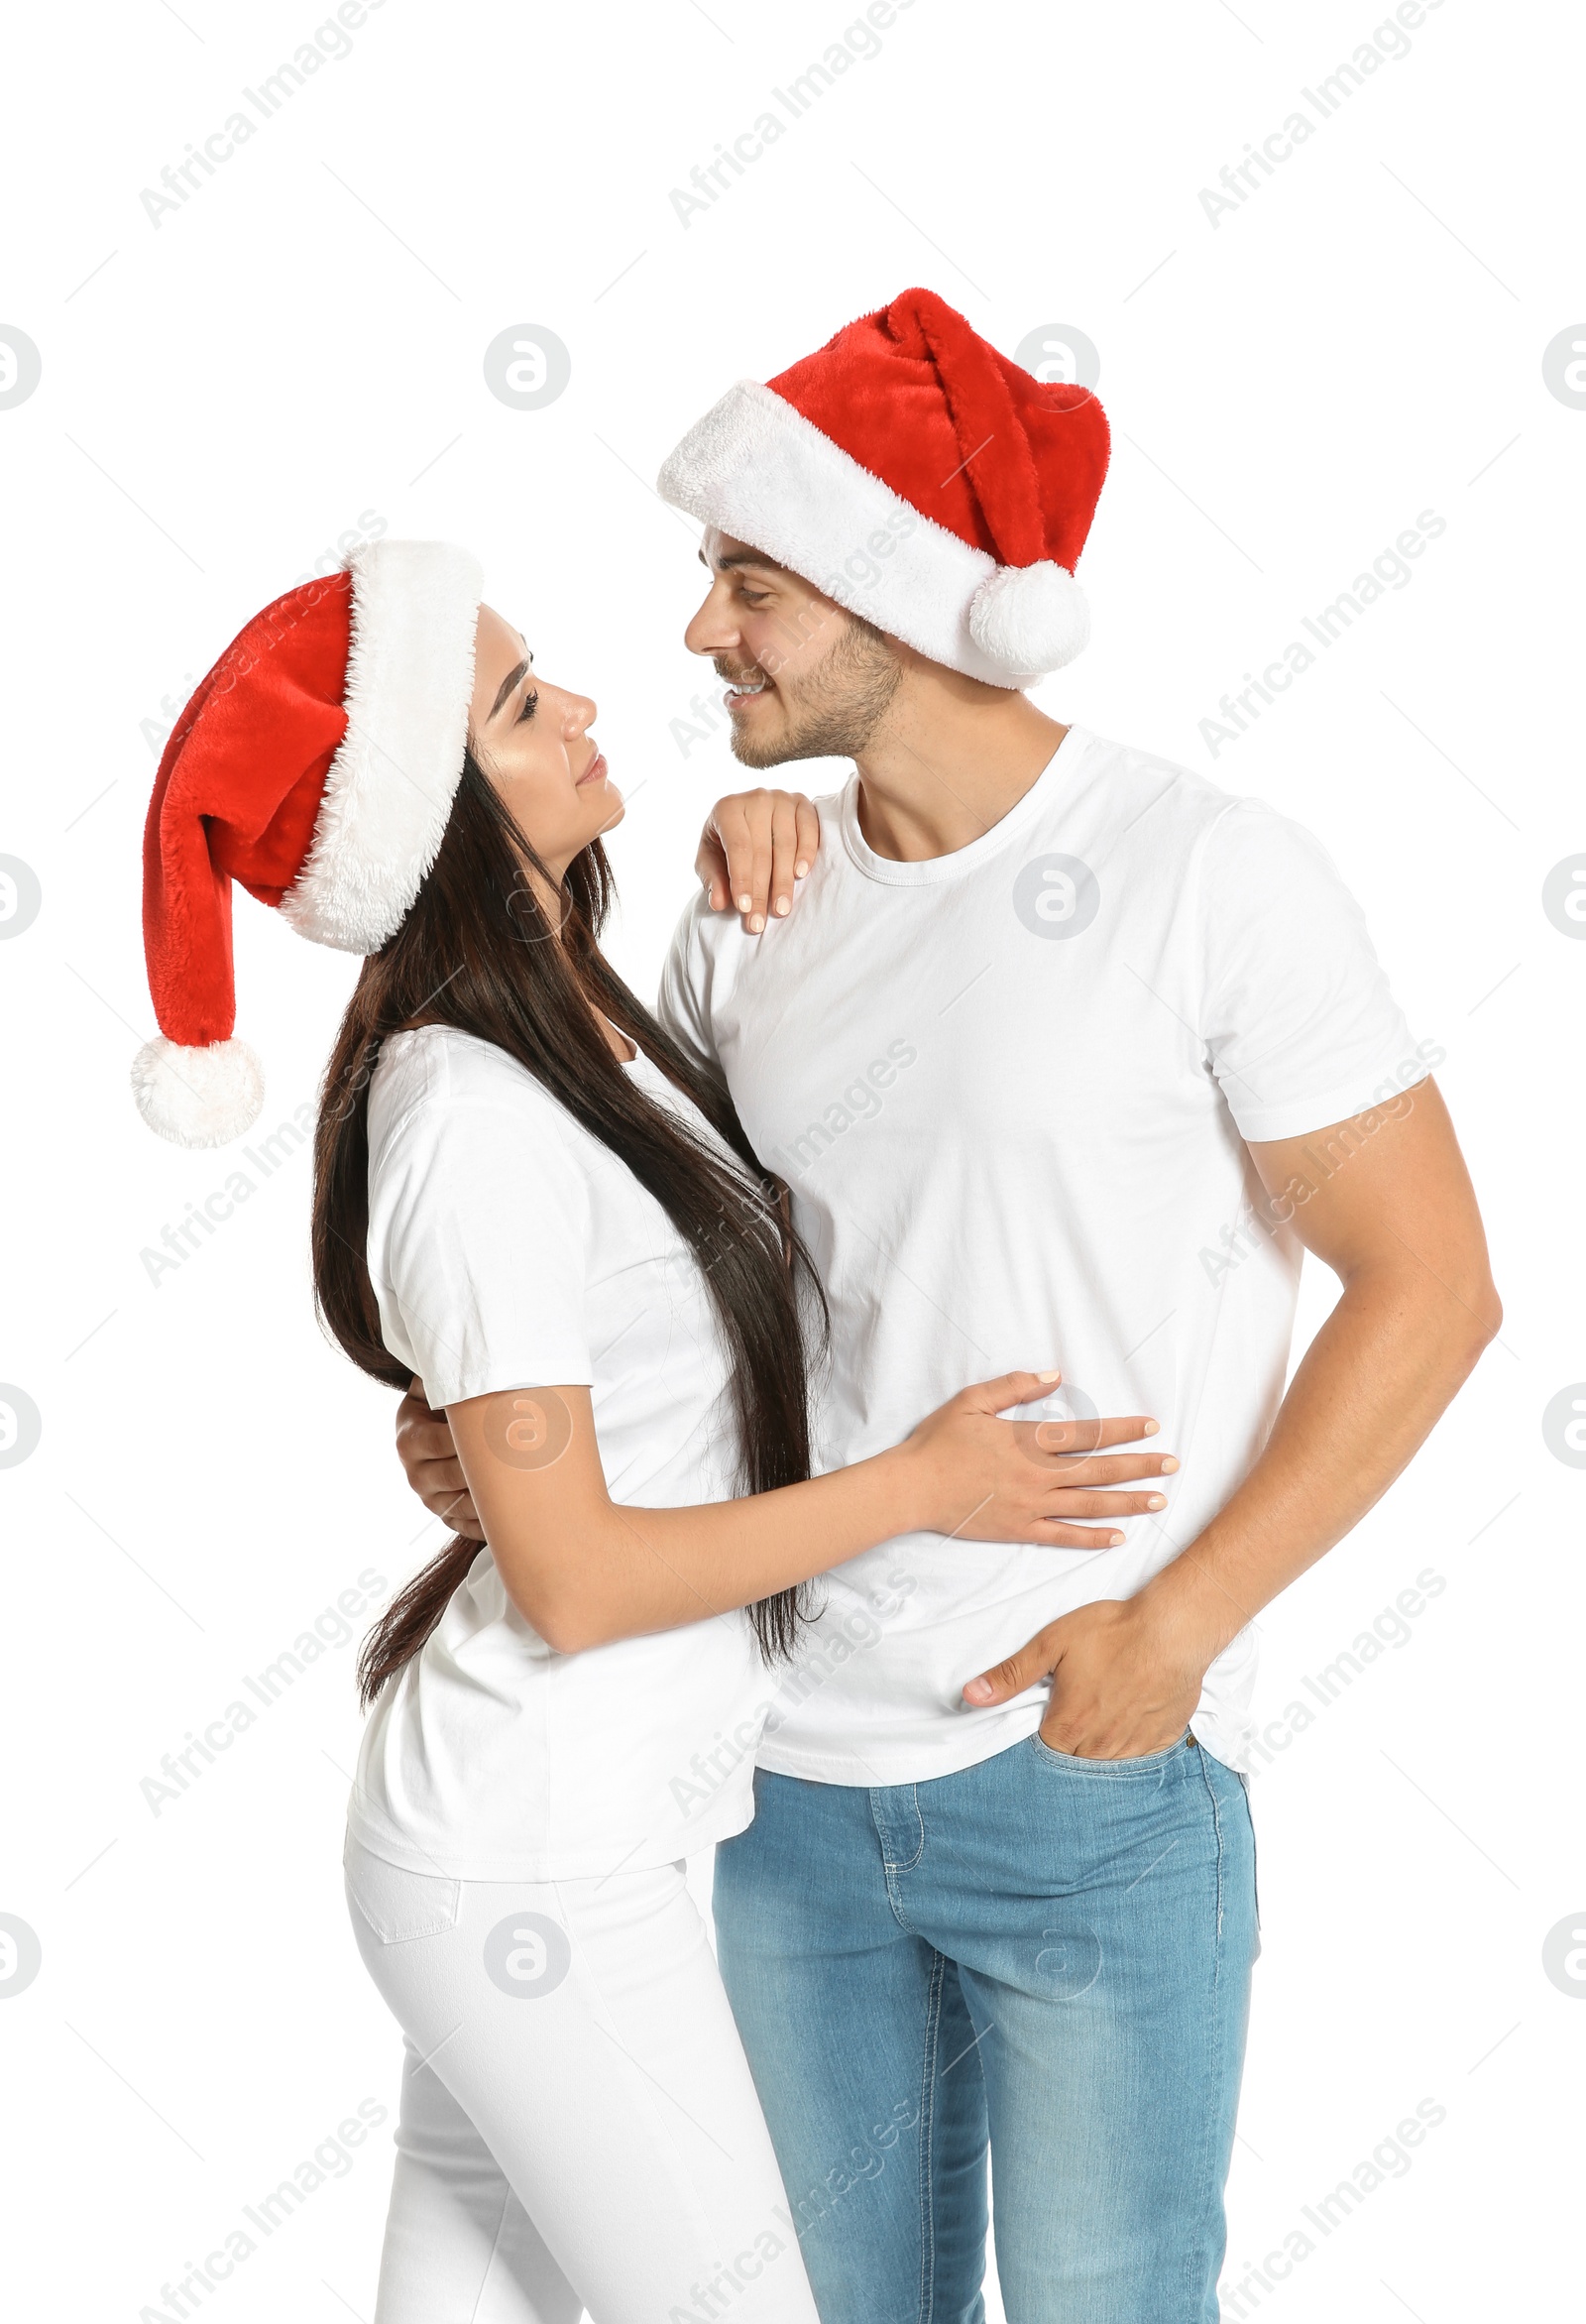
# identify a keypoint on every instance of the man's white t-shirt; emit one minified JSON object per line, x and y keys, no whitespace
{"x":510,"y":1248}
{"x":1011,"y":1089}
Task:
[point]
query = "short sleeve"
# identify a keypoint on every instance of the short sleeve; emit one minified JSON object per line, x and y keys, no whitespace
{"x":683,"y":1003}
{"x":1298,"y":1021}
{"x":478,"y":1244}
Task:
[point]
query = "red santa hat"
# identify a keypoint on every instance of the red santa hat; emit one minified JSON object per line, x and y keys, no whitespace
{"x":317,"y":766}
{"x":920,"y":479}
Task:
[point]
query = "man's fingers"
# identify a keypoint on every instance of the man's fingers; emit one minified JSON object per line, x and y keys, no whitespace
{"x":443,"y":1489}
{"x":441,"y":1480}
{"x":428,"y":1440}
{"x":1035,"y":1661}
{"x":458,"y":1511}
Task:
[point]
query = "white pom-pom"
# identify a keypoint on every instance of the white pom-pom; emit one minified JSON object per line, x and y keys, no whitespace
{"x":1030,"y":618}
{"x":198,"y":1097}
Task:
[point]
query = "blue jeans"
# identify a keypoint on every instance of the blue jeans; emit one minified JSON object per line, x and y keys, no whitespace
{"x":1044,"y":1954}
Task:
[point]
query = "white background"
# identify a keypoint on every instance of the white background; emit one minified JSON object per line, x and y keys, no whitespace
{"x":223,"y":395}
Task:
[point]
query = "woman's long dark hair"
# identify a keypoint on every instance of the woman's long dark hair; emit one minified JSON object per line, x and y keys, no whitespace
{"x":477,"y":952}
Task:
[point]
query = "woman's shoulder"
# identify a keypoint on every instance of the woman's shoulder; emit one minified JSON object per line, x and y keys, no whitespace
{"x":434,"y":1078}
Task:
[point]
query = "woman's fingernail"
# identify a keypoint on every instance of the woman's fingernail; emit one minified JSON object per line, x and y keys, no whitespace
{"x":784,"y":903}
{"x":1169,"y":1464}
{"x":757,"y":923}
{"x":1150,"y":1429}
{"x":978,"y":1691}
{"x":1157,"y":1501}
{"x":1049,"y":1376}
{"x":1117,"y":1541}
{"x":799,"y":869}
{"x":744,"y":902}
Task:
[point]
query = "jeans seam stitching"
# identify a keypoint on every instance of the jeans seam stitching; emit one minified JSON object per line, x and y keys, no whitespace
{"x":932,"y":2021}
{"x":1205,"y":2190}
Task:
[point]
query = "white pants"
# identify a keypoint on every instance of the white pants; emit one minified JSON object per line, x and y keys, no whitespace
{"x":578,"y":2128}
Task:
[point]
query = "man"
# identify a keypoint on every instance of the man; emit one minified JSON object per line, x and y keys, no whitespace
{"x":1062,"y":1050}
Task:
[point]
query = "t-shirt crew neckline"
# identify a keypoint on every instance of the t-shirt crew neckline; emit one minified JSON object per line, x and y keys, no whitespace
{"x":1059,"y":769}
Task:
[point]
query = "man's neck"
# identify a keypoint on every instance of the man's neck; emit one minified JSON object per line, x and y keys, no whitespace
{"x":950,"y":758}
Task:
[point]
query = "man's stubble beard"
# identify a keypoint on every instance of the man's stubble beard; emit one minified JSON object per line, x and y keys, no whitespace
{"x":838,"y":706}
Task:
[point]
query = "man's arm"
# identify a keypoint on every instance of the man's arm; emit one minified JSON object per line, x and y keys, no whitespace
{"x":1396,"y":1220}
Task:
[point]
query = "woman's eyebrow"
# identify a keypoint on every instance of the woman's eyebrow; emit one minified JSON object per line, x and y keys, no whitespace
{"x":512,"y":679}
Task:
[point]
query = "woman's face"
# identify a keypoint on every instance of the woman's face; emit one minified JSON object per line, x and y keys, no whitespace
{"x":533,"y":741}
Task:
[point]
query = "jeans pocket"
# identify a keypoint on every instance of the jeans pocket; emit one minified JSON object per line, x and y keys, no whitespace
{"x":1115,"y":1767}
{"x":399,"y":1904}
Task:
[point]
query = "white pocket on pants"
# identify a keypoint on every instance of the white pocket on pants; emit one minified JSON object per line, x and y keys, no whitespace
{"x":400,"y":1904}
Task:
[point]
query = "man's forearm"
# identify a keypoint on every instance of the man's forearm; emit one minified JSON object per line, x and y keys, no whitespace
{"x":1375,"y":1380}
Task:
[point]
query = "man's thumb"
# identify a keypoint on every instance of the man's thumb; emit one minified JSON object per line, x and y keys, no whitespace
{"x":1012,"y":1676}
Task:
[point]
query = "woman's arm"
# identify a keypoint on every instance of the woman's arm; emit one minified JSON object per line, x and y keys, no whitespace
{"x":585,"y":1569}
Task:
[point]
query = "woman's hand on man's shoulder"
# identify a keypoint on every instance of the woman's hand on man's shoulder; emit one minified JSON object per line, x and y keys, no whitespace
{"x":754,"y":848}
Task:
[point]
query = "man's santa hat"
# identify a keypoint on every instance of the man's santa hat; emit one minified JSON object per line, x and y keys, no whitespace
{"x":316,"y":764}
{"x":919,"y":478}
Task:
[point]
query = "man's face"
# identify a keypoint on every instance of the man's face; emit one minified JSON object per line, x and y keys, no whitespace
{"x":806,"y":678}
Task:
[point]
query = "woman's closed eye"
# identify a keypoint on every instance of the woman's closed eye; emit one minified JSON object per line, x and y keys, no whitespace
{"x":530,"y":704}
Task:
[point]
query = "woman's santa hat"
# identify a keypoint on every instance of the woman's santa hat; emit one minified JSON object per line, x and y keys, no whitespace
{"x":920,"y":479}
{"x":316,"y":764}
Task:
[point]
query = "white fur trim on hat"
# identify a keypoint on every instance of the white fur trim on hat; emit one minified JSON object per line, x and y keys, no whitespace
{"x":197,"y":1096}
{"x":393,"y":780}
{"x":757,"y":469}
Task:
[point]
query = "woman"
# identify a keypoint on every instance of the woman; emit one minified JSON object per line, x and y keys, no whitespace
{"x":525,"y":1195}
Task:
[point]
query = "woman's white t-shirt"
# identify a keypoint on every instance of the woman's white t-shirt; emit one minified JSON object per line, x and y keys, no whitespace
{"x":510,"y":1248}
